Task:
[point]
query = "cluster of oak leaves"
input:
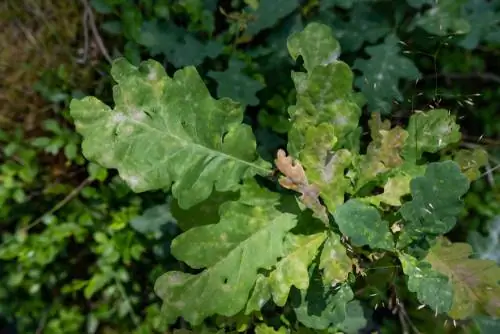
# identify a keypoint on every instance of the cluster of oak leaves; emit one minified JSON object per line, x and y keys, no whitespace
{"x":190,"y":159}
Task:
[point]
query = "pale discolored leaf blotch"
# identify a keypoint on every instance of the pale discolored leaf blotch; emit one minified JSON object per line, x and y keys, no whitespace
{"x":325,"y":167}
{"x":168,"y":133}
{"x":295,"y":179}
{"x":334,"y":262}
{"x":475,"y":282}
{"x":432,"y":288}
{"x":233,"y":83}
{"x":248,"y":237}
{"x":436,"y":202}
{"x":382,"y":73}
{"x":430,"y":131}
{"x":363,"y":225}
{"x":315,"y":44}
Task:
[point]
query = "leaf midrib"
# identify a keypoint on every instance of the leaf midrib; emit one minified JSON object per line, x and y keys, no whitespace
{"x":202,"y":148}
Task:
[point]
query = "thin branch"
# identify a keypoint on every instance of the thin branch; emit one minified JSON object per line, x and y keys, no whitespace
{"x":85,"y":52}
{"x":95,"y":31}
{"x":62,"y":203}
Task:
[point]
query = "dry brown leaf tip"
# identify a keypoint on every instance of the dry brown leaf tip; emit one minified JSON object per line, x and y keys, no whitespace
{"x":296,"y":179}
{"x":294,"y":172}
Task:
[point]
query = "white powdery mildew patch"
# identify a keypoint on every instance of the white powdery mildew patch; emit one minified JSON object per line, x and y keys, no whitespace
{"x":223,"y":237}
{"x":331,"y":58}
{"x":152,"y":75}
{"x":118,"y":118}
{"x":175,"y":279}
{"x":132,"y":180}
{"x":127,"y":130}
{"x":138,"y":115}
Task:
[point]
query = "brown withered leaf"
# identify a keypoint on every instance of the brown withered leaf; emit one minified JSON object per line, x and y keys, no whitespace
{"x":295,"y":179}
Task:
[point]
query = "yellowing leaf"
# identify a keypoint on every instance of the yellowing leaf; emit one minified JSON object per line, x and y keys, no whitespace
{"x":334,"y":262}
{"x":476,"y":282}
{"x":293,"y":268}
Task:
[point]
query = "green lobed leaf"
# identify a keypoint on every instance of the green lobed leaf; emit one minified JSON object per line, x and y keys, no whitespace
{"x":321,"y":306}
{"x":270,"y":13}
{"x":334,"y":262}
{"x":233,"y":83}
{"x":443,"y":18}
{"x":363,"y":225}
{"x":364,"y":25}
{"x":436,"y":202}
{"x":168,"y":133}
{"x":432,"y":288}
{"x":382,"y":72}
{"x":483,"y":17}
{"x":475,"y":282}
{"x":355,"y":320}
{"x":248,"y":237}
{"x":179,"y":46}
{"x":430,"y":131}
{"x":487,"y":247}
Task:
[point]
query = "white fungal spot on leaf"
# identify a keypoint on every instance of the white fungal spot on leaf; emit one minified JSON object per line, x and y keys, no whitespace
{"x":119,"y":117}
{"x":331,"y":58}
{"x":152,"y":75}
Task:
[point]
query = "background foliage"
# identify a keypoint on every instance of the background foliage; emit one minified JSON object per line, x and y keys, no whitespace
{"x":80,"y":252}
